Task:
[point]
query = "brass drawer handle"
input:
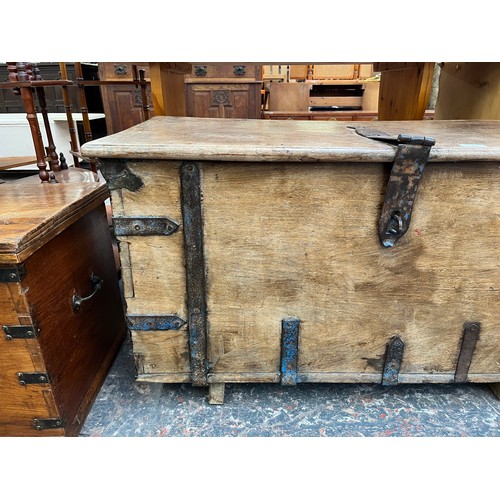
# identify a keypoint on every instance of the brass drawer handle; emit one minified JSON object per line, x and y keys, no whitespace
{"x":76,"y":300}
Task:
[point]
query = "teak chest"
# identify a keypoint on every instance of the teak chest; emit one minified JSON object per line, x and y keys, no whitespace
{"x":61,"y":311}
{"x":288,"y":252}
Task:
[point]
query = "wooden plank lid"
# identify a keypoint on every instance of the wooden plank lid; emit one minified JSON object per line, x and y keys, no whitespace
{"x":187,"y":138}
{"x":32,"y":213}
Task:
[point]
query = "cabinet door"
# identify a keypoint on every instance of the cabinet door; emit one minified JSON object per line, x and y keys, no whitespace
{"x":223,"y":100}
{"x":123,"y":106}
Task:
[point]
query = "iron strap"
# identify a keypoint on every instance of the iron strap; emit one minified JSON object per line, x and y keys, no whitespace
{"x":407,"y":170}
{"x":290,"y":329}
{"x":195,"y":270}
{"x":393,"y":359}
{"x":144,"y":226}
{"x":20,"y":332}
{"x":154,"y":322}
{"x":469,"y":341}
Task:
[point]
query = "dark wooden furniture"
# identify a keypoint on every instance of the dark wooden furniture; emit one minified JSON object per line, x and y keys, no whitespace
{"x":123,"y":100}
{"x":224,"y":91}
{"x":60,"y":306}
{"x":300,"y":251}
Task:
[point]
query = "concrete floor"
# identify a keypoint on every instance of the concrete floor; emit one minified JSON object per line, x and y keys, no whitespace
{"x":126,"y":408}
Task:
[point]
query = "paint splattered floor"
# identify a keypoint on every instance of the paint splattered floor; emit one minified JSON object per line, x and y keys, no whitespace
{"x":127,"y":408}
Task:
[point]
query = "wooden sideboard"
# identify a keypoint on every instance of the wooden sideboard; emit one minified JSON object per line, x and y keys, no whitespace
{"x":224,"y":91}
{"x":122,"y":103}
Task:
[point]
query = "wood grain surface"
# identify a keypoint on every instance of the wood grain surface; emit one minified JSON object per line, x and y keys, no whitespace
{"x":32,"y":213}
{"x":77,"y":347}
{"x":21,"y":404}
{"x":282,"y":240}
{"x":190,"y":138}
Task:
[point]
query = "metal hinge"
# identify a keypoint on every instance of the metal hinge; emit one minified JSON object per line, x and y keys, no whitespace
{"x":144,"y":226}
{"x":33,"y":378}
{"x":20,"y":332}
{"x":12,"y":274}
{"x":41,"y":424}
{"x":393,"y":359}
{"x":407,"y":170}
{"x":154,"y":322}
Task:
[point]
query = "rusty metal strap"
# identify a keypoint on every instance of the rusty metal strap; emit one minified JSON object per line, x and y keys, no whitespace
{"x":410,"y":160}
{"x":195,"y":270}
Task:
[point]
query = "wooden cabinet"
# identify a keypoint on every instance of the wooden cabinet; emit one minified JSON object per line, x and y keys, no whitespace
{"x":224,"y":91}
{"x":122,"y":103}
{"x":293,"y":252}
{"x":60,"y":306}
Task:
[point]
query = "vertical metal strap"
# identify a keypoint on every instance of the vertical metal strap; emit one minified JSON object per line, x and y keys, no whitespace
{"x":195,"y":270}
{"x":393,"y":360}
{"x":290,"y":328}
{"x":469,"y":340}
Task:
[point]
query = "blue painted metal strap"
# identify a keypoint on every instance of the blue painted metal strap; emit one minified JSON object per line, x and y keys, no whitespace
{"x":393,"y":360}
{"x":154,"y":322}
{"x":195,"y":271}
{"x":290,"y":328}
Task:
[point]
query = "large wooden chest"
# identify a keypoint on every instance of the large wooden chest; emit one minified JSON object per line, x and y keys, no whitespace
{"x":61,"y":311}
{"x":261,"y":251}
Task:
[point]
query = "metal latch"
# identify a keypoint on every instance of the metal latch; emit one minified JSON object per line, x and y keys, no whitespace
{"x":407,"y":170}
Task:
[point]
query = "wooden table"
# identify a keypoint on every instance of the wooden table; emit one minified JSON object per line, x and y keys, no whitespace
{"x":301,"y":251}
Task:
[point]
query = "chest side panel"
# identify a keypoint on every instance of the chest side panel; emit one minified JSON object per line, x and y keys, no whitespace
{"x":20,"y":405}
{"x":77,"y":345}
{"x":153,"y":270}
{"x":291,"y":240}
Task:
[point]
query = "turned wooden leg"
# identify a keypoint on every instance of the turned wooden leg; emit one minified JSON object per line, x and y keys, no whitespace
{"x":496,"y":389}
{"x":216,"y":394}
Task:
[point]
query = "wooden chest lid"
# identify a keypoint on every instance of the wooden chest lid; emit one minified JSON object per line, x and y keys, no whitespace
{"x":186,"y":138}
{"x":32,"y":213}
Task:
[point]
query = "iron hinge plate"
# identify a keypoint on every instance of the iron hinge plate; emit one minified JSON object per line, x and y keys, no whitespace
{"x":20,"y":332}
{"x":152,"y":322}
{"x":12,"y":274}
{"x":144,"y":226}
{"x":33,"y":378}
{"x":41,"y":424}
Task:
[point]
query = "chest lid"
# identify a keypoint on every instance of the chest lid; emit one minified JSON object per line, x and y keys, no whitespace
{"x":32,"y":213}
{"x":189,"y":138}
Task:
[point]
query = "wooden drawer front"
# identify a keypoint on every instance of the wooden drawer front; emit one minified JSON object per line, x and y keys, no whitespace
{"x":120,"y":70}
{"x":226,"y":71}
{"x":223,"y":101}
{"x":21,"y":404}
{"x":291,"y":241}
{"x":76,"y":345}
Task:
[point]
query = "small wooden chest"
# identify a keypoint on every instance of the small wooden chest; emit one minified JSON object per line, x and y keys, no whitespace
{"x":61,"y":312}
{"x":262,"y":251}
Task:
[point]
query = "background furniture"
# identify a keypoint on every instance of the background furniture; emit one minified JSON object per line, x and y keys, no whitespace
{"x":224,"y":91}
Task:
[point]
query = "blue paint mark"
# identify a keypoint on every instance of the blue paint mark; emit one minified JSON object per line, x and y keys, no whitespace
{"x":289,"y":350}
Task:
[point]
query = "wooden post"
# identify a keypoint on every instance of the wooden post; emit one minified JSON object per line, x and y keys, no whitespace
{"x":167,"y":87}
{"x":29,"y":107}
{"x":69,"y":116}
{"x":404,"y":90}
{"x":51,"y":148}
{"x":85,"y":111}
